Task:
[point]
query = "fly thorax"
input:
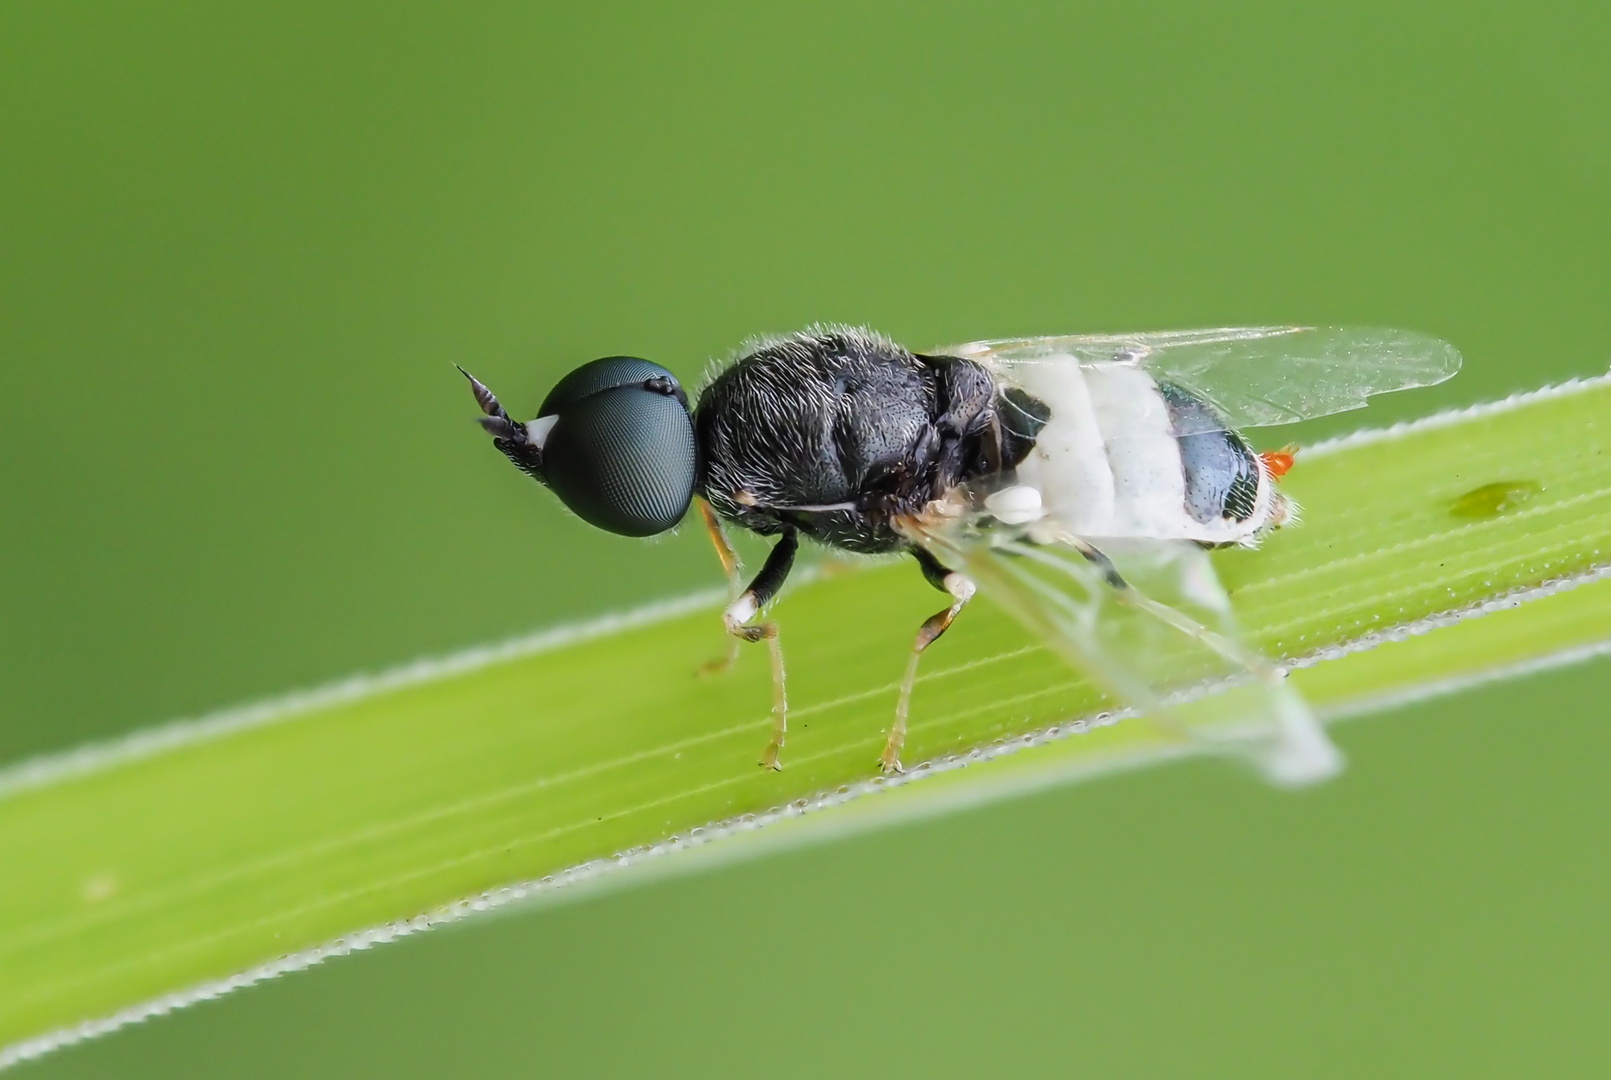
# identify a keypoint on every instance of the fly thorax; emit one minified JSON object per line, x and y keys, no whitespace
{"x":811,"y":425}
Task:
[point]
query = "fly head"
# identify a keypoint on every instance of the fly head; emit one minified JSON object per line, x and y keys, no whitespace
{"x":613,"y":439}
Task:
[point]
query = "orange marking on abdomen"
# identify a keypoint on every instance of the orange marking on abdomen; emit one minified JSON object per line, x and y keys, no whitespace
{"x":1279,"y":462}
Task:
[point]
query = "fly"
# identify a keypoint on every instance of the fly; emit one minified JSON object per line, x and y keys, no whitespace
{"x":1078,"y":481}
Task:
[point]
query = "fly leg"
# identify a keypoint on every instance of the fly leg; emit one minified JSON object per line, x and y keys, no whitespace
{"x":1296,"y":750}
{"x":1230,"y":650}
{"x":747,"y":606}
{"x":724,"y":551}
{"x":961,"y":590}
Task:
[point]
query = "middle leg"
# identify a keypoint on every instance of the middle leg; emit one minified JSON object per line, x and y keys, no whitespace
{"x":961,"y":590}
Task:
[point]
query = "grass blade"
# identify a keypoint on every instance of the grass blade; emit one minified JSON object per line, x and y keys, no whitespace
{"x":182,"y":858}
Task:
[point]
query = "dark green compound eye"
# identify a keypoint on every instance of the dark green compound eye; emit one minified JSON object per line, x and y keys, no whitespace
{"x":620,"y":452}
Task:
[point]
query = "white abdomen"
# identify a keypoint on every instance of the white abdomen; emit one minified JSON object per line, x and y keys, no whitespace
{"x":1107,"y":463}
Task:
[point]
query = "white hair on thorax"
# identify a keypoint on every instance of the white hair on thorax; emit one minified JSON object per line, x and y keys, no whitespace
{"x":800,"y":342}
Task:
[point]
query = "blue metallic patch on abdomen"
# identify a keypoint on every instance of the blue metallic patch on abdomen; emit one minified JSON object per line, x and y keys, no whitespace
{"x":1222,"y":474}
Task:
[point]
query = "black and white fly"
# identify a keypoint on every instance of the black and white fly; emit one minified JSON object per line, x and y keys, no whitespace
{"x":1077,"y":480}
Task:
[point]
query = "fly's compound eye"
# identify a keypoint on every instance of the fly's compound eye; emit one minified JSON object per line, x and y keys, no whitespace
{"x":620,"y":452}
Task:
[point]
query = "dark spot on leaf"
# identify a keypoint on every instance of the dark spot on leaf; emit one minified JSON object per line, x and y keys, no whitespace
{"x":1491,"y":500}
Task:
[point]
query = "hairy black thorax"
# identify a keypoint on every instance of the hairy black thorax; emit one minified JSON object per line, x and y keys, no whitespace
{"x":837,"y":432}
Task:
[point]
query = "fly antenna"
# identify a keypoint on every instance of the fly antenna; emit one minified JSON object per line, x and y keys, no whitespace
{"x":484,"y":397}
{"x":496,"y":422}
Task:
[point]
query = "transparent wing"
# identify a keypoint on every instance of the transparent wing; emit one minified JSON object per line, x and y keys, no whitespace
{"x":1252,"y":376}
{"x":1151,"y":625}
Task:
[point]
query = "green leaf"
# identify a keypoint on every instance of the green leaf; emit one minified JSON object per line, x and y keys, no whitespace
{"x":198,"y":857}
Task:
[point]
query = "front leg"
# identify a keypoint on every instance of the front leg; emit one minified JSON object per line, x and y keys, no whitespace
{"x":729,"y":558}
{"x":747,"y":606}
{"x":961,"y":590}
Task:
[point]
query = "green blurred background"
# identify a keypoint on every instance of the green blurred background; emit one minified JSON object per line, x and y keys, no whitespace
{"x":241,"y":251}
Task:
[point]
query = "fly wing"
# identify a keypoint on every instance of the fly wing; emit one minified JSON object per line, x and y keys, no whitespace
{"x":1150,"y":624}
{"x":1251,"y":376}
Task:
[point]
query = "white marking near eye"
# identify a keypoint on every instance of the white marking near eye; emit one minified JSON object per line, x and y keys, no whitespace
{"x":537,"y":430}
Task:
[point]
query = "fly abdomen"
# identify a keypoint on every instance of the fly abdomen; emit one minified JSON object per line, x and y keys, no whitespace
{"x":1222,"y":477}
{"x":1219,"y":467}
{"x":1120,"y":455}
